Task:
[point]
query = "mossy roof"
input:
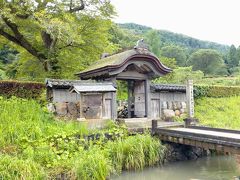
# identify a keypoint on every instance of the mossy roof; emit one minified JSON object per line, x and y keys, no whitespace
{"x":115,"y":59}
{"x":103,"y":66}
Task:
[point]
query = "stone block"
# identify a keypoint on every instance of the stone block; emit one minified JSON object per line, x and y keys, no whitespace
{"x":182,"y":111}
{"x":177,"y":113}
{"x":61,"y":109}
{"x":184,"y":105}
{"x":168,"y":113}
{"x":72,"y":109}
{"x":51,"y":107}
{"x":179,"y":105}
{"x":174,"y":105}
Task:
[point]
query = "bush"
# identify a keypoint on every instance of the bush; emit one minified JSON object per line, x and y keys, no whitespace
{"x":28,"y":90}
{"x":216,"y":91}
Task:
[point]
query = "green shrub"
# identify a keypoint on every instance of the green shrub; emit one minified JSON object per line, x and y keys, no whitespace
{"x":28,"y":90}
{"x":216,"y":91}
{"x":14,"y":168}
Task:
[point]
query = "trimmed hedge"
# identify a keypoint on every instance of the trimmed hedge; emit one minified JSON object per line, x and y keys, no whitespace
{"x":27,"y":90}
{"x":216,"y":91}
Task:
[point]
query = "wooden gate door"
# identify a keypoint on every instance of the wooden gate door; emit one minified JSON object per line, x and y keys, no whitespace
{"x":139,"y":96}
{"x":92,"y":106}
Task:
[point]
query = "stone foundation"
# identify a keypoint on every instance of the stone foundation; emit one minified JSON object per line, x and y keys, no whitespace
{"x":65,"y":109}
{"x":173,"y":109}
{"x":179,"y":152}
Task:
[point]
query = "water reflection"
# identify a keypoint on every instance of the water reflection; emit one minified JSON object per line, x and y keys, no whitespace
{"x":209,"y":168}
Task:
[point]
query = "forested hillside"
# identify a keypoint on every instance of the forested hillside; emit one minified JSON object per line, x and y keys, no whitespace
{"x":60,"y":45}
{"x":168,"y":37}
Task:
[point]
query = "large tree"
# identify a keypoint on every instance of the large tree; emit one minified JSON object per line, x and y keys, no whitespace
{"x":176,"y":52}
{"x":207,"y":60}
{"x":50,"y":31}
{"x":232,"y":60}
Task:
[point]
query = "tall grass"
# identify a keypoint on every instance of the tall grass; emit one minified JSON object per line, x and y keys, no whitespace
{"x":219,"y":112}
{"x":135,"y":152}
{"x":15,"y":168}
{"x":33,"y":145}
{"x":21,"y":119}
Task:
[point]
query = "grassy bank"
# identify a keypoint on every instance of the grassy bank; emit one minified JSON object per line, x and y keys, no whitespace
{"x":33,"y":145}
{"x":219,"y":112}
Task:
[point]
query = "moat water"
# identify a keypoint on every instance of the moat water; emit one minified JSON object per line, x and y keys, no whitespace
{"x":207,"y":168}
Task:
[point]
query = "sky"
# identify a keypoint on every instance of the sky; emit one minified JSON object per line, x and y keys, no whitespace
{"x":211,"y":20}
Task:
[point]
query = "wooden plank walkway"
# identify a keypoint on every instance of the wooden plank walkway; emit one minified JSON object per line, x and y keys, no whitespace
{"x":213,"y":133}
{"x":208,"y":138}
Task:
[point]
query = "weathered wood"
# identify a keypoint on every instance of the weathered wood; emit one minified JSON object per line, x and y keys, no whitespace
{"x":139,"y":102}
{"x":227,"y":141}
{"x":155,"y":108}
{"x":154,"y":124}
{"x":63,"y":95}
{"x":92,"y":106}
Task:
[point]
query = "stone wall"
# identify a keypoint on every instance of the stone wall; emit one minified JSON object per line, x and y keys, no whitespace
{"x":171,"y":109}
{"x":65,"y":109}
{"x":180,"y":152}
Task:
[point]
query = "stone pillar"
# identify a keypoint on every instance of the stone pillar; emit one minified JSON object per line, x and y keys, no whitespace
{"x":190,"y":99}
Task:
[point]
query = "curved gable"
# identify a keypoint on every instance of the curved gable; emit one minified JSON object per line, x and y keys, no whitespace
{"x":145,"y":61}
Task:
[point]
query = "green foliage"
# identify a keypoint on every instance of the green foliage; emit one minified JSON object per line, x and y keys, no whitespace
{"x":28,"y":90}
{"x":153,"y":40}
{"x":218,"y":112}
{"x":135,"y":152}
{"x":216,"y":91}
{"x":15,"y":168}
{"x":180,"y":75}
{"x":93,"y":164}
{"x":219,"y":81}
{"x":207,"y":60}
{"x":176,"y":52}
{"x":43,"y":148}
{"x":169,"y":62}
{"x":232,"y":57}
{"x":168,"y":38}
{"x":7,"y":55}
{"x":122,"y":90}
{"x":3,"y":75}
{"x":123,"y":38}
{"x":22,"y":120}
{"x":54,"y":38}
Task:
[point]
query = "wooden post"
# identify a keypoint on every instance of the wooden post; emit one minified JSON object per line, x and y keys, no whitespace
{"x":147,"y":99}
{"x":114,"y":99}
{"x":190,"y":99}
{"x":154,"y":125}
